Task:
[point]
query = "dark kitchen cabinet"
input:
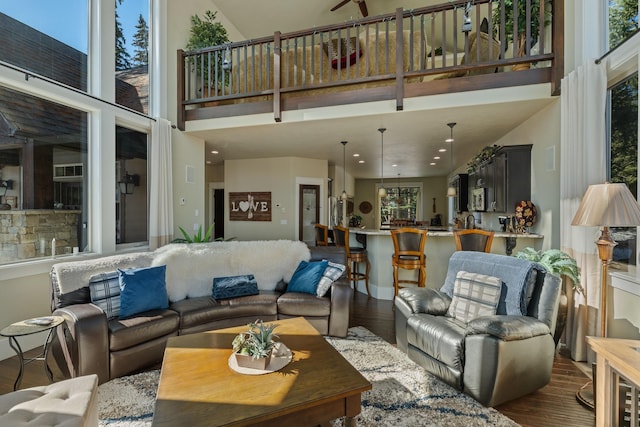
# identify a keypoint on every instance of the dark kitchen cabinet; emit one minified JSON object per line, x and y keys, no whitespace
{"x":461,"y":183}
{"x":506,"y":178}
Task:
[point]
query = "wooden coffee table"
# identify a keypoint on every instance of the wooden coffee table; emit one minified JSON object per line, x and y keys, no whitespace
{"x":198,"y":388}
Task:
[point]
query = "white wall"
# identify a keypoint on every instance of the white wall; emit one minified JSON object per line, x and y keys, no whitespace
{"x":277,"y":175}
{"x":543,"y":131}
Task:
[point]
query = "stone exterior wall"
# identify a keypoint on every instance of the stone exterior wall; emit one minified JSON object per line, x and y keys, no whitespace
{"x":24,"y":233}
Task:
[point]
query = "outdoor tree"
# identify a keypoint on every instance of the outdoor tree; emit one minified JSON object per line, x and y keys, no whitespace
{"x":123,"y":58}
{"x":141,"y":43}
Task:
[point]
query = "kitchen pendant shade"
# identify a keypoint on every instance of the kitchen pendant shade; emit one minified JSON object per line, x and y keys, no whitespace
{"x":610,"y":205}
{"x":451,"y":191}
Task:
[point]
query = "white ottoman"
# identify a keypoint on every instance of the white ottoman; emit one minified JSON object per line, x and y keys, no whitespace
{"x":68,"y":403}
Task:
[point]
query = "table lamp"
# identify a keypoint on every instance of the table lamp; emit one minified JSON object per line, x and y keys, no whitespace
{"x":605,"y":205}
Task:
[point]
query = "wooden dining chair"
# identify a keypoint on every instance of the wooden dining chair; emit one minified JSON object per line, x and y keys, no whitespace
{"x":354,"y":257}
{"x":473,"y":240}
{"x":408,"y":254}
{"x":322,"y":235}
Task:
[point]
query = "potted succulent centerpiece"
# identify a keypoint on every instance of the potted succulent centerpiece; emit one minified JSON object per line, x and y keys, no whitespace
{"x":560,"y":264}
{"x":252,"y":348}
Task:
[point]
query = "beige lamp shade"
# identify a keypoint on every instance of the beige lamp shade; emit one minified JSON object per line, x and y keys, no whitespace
{"x":609,"y":205}
{"x":451,"y":192}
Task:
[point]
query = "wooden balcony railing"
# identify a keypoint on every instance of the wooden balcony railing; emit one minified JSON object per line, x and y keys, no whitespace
{"x":443,"y":48}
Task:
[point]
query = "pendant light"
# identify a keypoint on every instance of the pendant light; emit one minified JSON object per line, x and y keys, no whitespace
{"x":344,"y":170}
{"x":451,"y":191}
{"x":382,"y":192}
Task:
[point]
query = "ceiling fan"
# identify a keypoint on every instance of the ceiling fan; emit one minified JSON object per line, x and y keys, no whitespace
{"x":361,"y":3}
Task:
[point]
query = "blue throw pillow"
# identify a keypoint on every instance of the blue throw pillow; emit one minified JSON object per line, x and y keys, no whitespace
{"x":234,"y":286}
{"x":142,"y":289}
{"x":307,"y":276}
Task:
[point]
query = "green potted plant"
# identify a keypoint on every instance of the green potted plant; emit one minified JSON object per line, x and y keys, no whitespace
{"x":534,"y":12}
{"x":206,"y":32}
{"x":196,"y":238}
{"x":252,"y":348}
{"x":561,"y":264}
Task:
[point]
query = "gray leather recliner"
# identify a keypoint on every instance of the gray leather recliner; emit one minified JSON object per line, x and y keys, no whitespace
{"x":494,"y":358}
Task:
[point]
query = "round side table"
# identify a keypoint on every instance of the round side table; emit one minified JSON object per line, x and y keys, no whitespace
{"x":28,"y":327}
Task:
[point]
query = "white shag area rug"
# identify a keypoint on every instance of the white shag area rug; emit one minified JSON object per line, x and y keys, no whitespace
{"x":403,"y":393}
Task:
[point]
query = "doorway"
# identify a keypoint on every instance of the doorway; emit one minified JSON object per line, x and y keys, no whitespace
{"x":308,"y":212}
{"x":216,"y":209}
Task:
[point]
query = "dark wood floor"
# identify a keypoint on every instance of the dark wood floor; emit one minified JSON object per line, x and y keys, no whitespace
{"x":553,"y":405}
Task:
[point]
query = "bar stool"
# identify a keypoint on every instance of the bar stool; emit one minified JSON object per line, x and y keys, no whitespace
{"x":473,"y":240}
{"x":322,"y":235}
{"x":408,"y":254}
{"x":354,"y":256}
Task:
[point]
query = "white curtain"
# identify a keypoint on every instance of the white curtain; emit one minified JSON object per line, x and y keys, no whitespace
{"x":583,"y":162}
{"x":161,"y":189}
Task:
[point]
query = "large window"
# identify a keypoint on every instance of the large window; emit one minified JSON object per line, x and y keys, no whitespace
{"x":623,"y":143}
{"x":401,"y":203}
{"x":131,"y":190}
{"x":43,"y":178}
{"x":49,"y":38}
{"x":623,"y":20}
{"x":132,"y":54}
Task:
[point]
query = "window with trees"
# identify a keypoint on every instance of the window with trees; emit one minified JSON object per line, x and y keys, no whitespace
{"x":623,"y":20}
{"x":132,"y":54}
{"x":622,"y":122}
{"x":401,"y":203}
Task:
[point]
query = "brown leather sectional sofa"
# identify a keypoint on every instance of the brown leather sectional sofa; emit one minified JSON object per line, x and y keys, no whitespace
{"x":91,"y":344}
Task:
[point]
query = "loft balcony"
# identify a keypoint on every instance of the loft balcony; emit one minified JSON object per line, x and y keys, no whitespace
{"x":451,"y":47}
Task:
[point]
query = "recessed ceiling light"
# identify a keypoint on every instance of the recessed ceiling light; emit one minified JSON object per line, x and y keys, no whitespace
{"x":436,"y":157}
{"x":395,"y":166}
{"x":360,"y":161}
{"x":448,"y":140}
{"x":432,"y":163}
{"x":214,"y":151}
{"x":208,"y":162}
{"x":442,"y":150}
{"x":356,"y":155}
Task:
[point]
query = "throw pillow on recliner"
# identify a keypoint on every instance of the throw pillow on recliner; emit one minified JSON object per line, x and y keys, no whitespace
{"x":474,"y":295}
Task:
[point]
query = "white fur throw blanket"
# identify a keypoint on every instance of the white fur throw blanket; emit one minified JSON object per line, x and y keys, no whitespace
{"x":192,"y":267}
{"x":72,"y":275}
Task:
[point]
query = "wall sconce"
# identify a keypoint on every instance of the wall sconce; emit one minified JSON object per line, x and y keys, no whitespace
{"x":128,"y":183}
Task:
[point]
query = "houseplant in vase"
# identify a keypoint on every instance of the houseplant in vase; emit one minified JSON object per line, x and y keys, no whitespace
{"x":252,"y":348}
{"x":206,"y":32}
{"x":521,"y":11}
{"x":560,"y":264}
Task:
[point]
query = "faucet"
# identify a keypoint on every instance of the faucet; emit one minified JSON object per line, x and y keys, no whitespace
{"x":471,"y":222}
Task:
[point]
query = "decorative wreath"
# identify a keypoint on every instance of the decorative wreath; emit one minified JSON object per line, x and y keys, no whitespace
{"x":526,"y":213}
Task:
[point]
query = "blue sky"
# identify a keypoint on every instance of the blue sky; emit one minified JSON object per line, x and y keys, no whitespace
{"x":67,"y":20}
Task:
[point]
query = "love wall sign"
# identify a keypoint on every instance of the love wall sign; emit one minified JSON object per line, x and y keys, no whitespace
{"x":249,"y":206}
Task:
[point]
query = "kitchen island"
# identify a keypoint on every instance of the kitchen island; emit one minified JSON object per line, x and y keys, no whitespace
{"x":438,"y":249}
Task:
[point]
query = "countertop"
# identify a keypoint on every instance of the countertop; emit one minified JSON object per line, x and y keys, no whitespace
{"x":443,"y":232}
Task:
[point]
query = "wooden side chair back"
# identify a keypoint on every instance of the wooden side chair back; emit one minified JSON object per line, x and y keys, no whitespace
{"x":322,"y":235}
{"x":355,"y":256}
{"x":408,"y":254}
{"x":473,"y":240}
